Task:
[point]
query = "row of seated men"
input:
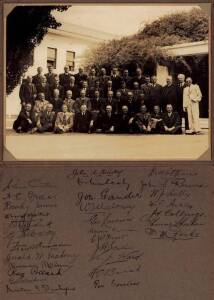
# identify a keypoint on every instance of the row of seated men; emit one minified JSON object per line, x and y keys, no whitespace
{"x":122,"y":86}
{"x":105,"y":121}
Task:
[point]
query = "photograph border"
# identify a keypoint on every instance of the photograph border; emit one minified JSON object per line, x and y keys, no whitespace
{"x":122,"y":163}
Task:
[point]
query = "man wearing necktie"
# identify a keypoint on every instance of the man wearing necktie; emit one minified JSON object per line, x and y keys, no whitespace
{"x":171,"y":121}
{"x":46,"y":120}
{"x":180,"y":90}
{"x":83,"y":120}
{"x":64,"y":120}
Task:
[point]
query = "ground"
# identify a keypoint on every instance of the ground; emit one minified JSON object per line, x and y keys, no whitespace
{"x":78,"y":146}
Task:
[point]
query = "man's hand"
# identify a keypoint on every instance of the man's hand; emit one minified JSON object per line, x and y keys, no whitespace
{"x":166,"y":128}
{"x":29,"y":121}
{"x":185,"y":109}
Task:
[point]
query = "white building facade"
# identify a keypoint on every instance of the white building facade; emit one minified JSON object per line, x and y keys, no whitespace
{"x":64,"y":46}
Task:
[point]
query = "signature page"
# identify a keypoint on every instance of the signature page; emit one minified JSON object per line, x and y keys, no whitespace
{"x":139,"y":233}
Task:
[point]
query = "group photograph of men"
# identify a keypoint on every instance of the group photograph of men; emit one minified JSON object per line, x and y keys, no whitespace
{"x":114,"y":102}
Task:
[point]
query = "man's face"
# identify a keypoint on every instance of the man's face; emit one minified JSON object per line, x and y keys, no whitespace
{"x":50,"y":69}
{"x":29,"y":79}
{"x":109,"y":83}
{"x":69,"y":94}
{"x":188,"y":81}
{"x":123,"y":85}
{"x":138,"y":72}
{"x":28,"y":107}
{"x":169,"y":80}
{"x":169,"y":108}
{"x":110,"y":94}
{"x":49,"y":107}
{"x":136,"y":85}
{"x":125,"y":109}
{"x":143,"y":109}
{"x":147,"y":79}
{"x":64,"y":108}
{"x":57,"y":80}
{"x":39,"y":70}
{"x":80,"y":70}
{"x":96,"y":94}
{"x":118,"y":94}
{"x":114,"y":71}
{"x":82,"y":94}
{"x":108,"y":109}
{"x":66,"y":69}
{"x":130,"y":96}
{"x":103,"y":71}
{"x":93,"y":72}
{"x":56,"y":93}
{"x":84,"y":84}
{"x":97,"y":84}
{"x":72,"y":79}
{"x":83,"y":108}
{"x":126,"y":73}
{"x":41,"y":96}
{"x":44,"y":80}
{"x":154,"y":79}
{"x":181,"y":78}
{"x":156,"y":109}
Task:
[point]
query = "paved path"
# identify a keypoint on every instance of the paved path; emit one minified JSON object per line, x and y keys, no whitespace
{"x":77,"y":146}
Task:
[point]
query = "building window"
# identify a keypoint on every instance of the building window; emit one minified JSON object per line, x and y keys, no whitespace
{"x":51,"y":57}
{"x":70,"y":57}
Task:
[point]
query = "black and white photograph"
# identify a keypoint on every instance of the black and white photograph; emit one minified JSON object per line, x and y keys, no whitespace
{"x":107,"y":82}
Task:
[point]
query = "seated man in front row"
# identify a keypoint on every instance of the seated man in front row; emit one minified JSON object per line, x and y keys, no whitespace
{"x":46,"y":120}
{"x":64,"y":120}
{"x":156,"y":120}
{"x":83,"y":120}
{"x":142,"y":121}
{"x":124,"y":120}
{"x":171,"y":121}
{"x":106,"y":121}
{"x":26,"y":121}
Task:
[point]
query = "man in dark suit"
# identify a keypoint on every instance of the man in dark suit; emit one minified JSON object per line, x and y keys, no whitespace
{"x":124,"y":120}
{"x":171,"y":121}
{"x":106,"y":121}
{"x":138,"y":77}
{"x":73,"y":87}
{"x":103,"y":78}
{"x":107,"y":88}
{"x":136,"y":90}
{"x":64,"y":79}
{"x":142,"y":121}
{"x":92,"y":78}
{"x":130,"y":103}
{"x":50,"y":76}
{"x":56,"y":101}
{"x":116,"y":79}
{"x":46,"y":120}
{"x":28,"y":92}
{"x":44,"y":88}
{"x":169,"y":94}
{"x":180,"y":89}
{"x":26,"y":121}
{"x":58,"y":86}
{"x":82,"y":100}
{"x":126,"y":78}
{"x":37,"y":79}
{"x":83,"y":121}
{"x":110,"y":100}
{"x":156,"y":120}
{"x":146,"y":89}
{"x":155,"y":93}
{"x":80,"y":77}
{"x":97,"y":105}
{"x":96,"y":88}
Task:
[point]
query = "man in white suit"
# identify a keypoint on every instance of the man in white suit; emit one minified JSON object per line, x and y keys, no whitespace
{"x":191,"y":98}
